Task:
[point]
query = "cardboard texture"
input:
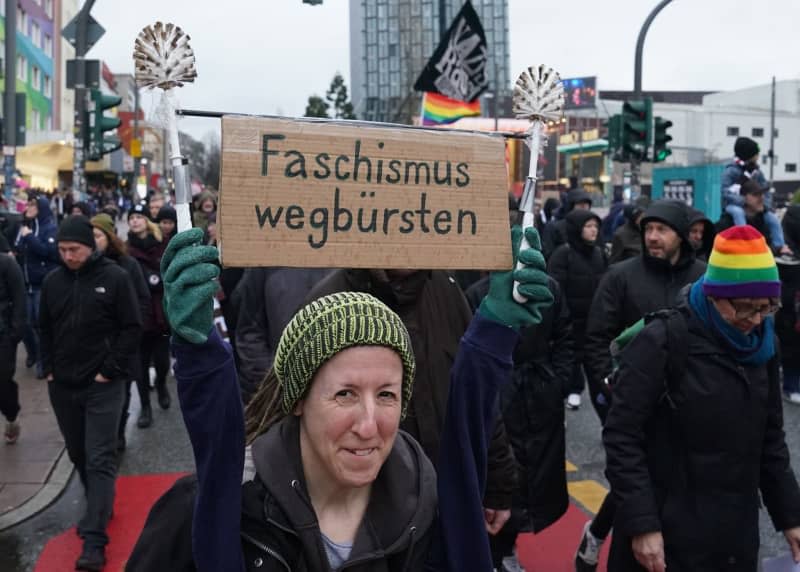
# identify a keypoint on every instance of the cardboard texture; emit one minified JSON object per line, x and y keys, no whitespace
{"x":329,"y":195}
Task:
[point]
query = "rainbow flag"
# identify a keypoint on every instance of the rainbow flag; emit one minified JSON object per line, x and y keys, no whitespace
{"x":438,"y":109}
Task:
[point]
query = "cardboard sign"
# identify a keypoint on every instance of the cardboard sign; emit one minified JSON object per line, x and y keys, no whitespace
{"x":329,"y":195}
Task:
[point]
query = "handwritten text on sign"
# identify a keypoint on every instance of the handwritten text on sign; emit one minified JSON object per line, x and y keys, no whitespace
{"x":324,"y":194}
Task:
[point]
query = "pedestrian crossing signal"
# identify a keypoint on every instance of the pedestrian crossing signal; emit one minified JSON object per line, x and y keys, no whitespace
{"x":660,"y":139}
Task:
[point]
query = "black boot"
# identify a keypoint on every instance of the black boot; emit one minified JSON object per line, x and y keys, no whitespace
{"x":145,"y":417}
{"x":164,"y":400}
{"x":92,"y":559}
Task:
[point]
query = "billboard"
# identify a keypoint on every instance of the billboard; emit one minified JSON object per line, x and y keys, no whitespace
{"x":581,"y":92}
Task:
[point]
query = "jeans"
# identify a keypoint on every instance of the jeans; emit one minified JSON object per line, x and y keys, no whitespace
{"x":9,"y":393}
{"x":88,"y":418}
{"x":774,"y":225}
{"x":31,"y":338}
{"x":791,"y":380}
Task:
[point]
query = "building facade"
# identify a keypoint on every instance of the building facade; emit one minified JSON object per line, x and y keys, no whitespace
{"x":392,"y":40}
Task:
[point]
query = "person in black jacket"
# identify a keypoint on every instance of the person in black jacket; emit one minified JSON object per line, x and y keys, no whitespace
{"x":627,"y":240}
{"x":36,"y":249}
{"x":12,"y":327}
{"x":90,"y":326}
{"x":555,"y":233}
{"x":110,"y":245}
{"x":532,"y":408}
{"x":787,"y":322}
{"x":628,"y":291}
{"x":701,"y":234}
{"x":690,"y":446}
{"x":578,"y":267}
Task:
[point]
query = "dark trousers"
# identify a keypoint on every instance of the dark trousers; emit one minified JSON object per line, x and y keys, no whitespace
{"x":88,"y":418}
{"x":134,"y":364}
{"x":153,"y":348}
{"x":9,"y":393}
{"x":31,"y":337}
{"x":577,"y":379}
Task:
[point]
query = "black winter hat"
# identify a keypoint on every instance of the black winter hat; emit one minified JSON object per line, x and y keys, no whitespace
{"x":167,"y":213}
{"x":745,"y":148}
{"x":674,"y":214}
{"x":140,"y":209}
{"x":77,"y":228}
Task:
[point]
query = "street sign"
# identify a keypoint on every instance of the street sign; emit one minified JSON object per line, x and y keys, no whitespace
{"x":94,"y":31}
{"x":136,"y":147}
{"x":679,"y":190}
{"x":91,"y":73}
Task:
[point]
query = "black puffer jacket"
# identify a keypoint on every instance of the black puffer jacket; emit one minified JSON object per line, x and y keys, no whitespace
{"x":627,"y":240}
{"x":532,"y":407}
{"x":787,"y":322}
{"x":555,"y":232}
{"x":636,"y":287}
{"x":693,"y":470}
{"x":12,"y":299}
{"x":578,"y":268}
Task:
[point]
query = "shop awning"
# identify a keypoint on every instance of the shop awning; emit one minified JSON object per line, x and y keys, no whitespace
{"x":594,"y":145}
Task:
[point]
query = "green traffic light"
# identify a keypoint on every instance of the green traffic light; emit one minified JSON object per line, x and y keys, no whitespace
{"x":98,"y":144}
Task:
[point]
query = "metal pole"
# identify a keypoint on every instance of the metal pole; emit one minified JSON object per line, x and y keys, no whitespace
{"x":772,"y":136}
{"x":9,"y":101}
{"x":580,"y":151}
{"x":79,"y":158}
{"x":136,"y":160}
{"x":442,"y":19}
{"x":637,"y":65}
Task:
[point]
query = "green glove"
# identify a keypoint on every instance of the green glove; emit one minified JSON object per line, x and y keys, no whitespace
{"x":499,"y":304}
{"x":188,"y":270}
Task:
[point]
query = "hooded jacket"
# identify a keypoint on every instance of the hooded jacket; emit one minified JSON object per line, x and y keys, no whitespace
{"x":692,"y":466}
{"x":148,"y":252}
{"x":89,"y":321}
{"x":709,"y":232}
{"x":627,"y":240}
{"x":200,"y":218}
{"x":38,"y":250}
{"x":555,"y":233}
{"x":578,"y":268}
{"x":636,"y":287}
{"x":12,"y":299}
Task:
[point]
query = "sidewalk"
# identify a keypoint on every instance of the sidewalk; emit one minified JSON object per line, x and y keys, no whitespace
{"x":35,"y":470}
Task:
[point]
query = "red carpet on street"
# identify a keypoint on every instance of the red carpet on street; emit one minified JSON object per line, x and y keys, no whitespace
{"x":552,"y":550}
{"x":135,"y":496}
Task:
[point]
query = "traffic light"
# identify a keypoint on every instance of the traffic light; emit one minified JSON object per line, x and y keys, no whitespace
{"x":614,"y":137}
{"x":99,"y":124}
{"x":637,"y":121}
{"x":660,"y":139}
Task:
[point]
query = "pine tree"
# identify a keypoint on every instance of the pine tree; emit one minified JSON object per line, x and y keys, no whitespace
{"x":317,"y":107}
{"x":338,"y":99}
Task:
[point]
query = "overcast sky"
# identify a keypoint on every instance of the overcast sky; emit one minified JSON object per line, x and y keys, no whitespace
{"x":268,"y":56}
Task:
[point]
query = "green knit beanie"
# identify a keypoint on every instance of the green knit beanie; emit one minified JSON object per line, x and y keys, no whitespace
{"x":329,"y":325}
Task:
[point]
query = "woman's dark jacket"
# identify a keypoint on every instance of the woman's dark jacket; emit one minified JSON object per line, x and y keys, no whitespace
{"x":148,"y":252}
{"x":692,"y":466}
{"x":787,"y":322}
{"x":38,"y":251}
{"x":578,"y":268}
{"x":532,"y":406}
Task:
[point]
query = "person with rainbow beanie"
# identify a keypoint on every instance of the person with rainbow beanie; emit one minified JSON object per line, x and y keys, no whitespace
{"x":689,"y":449}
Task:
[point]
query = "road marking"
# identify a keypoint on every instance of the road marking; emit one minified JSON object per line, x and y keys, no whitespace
{"x":571,"y":468}
{"x":590,"y":494}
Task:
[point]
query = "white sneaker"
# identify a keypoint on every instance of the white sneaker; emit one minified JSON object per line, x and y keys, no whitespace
{"x":588,"y":554}
{"x":511,"y":564}
{"x":574,"y":401}
{"x":792,"y":398}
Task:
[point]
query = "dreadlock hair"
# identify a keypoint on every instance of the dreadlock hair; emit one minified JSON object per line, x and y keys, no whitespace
{"x":264,"y":409}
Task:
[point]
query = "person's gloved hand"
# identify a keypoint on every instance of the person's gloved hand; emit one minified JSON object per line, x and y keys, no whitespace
{"x":499,"y":304}
{"x":188,"y":269}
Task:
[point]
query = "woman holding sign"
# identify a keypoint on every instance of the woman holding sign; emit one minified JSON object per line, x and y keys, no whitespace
{"x":337,"y":484}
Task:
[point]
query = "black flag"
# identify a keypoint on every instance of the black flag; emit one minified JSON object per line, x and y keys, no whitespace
{"x":458,"y":67}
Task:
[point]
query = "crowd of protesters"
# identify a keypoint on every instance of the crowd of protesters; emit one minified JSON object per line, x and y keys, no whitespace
{"x":314,"y":453}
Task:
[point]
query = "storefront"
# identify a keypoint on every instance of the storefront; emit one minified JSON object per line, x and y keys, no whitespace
{"x":582,"y":157}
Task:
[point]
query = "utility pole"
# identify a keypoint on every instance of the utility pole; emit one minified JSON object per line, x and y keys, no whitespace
{"x":637,"y":83}
{"x":79,"y":155}
{"x":772,"y":136}
{"x":9,"y":100}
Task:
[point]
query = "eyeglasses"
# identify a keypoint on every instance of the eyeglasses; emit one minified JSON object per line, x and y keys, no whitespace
{"x":748,"y":312}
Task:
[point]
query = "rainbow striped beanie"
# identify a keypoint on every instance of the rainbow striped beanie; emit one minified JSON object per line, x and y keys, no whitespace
{"x":741,"y":266}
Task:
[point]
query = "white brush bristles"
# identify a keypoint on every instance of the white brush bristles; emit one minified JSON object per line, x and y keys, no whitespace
{"x":163,"y":58}
{"x":539,"y":94}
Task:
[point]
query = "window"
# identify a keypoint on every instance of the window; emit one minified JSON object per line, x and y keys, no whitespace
{"x":22,"y":68}
{"x":36,"y":120}
{"x":791,"y":167}
{"x":47,"y":46}
{"x":733,"y":131}
{"x":48,"y":7}
{"x":22,"y":20}
{"x":36,"y":78}
{"x":36,"y":34}
{"x":47,"y":88}
{"x":757,"y":132}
